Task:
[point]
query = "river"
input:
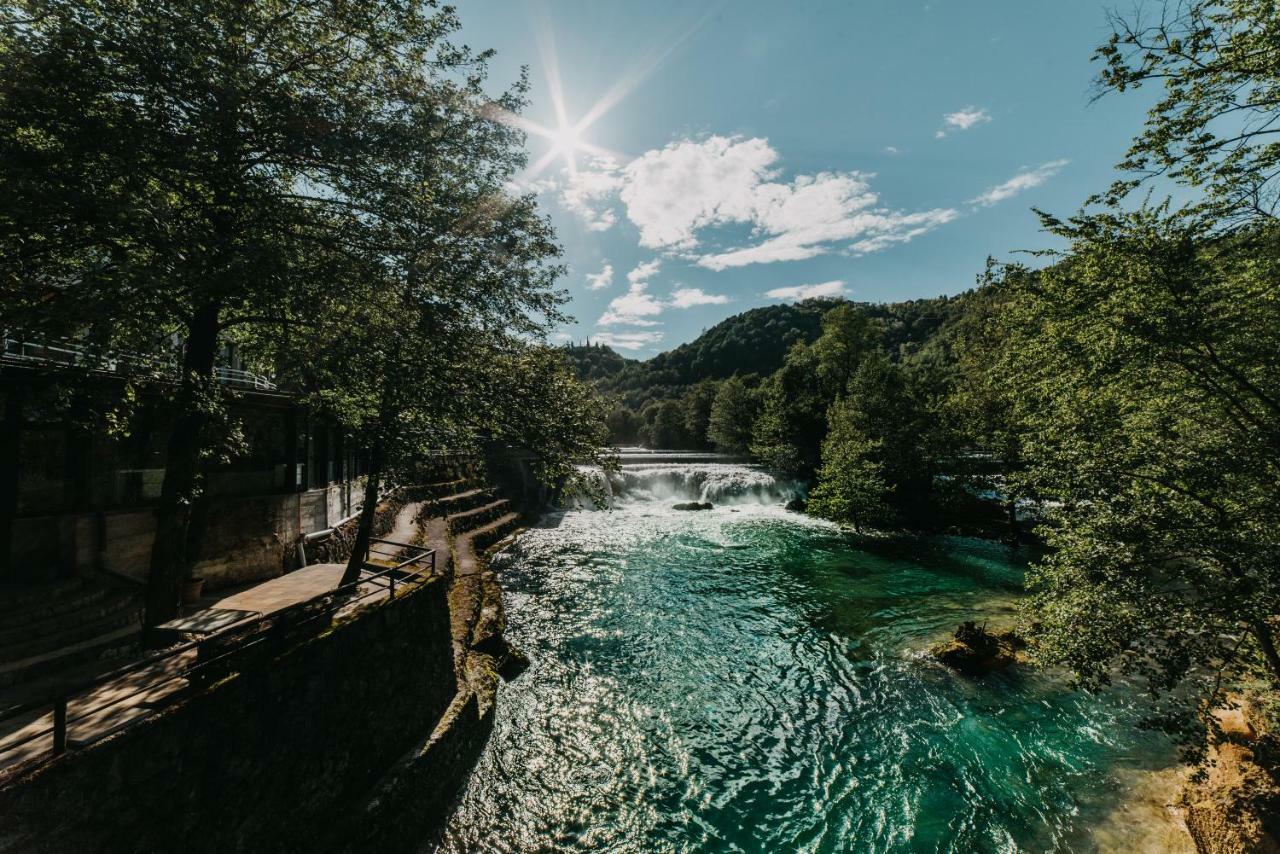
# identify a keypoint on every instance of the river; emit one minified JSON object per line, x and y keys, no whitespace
{"x":747,"y":679}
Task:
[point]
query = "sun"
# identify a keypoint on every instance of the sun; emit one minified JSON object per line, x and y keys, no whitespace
{"x":566,"y":140}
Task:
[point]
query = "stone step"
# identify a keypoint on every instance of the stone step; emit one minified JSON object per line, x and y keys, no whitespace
{"x":459,"y":502}
{"x":15,"y":598}
{"x":470,"y":520}
{"x":496,"y":531}
{"x":120,"y":610}
{"x":112,"y":644}
{"x":431,"y":491}
{"x":52,"y":604}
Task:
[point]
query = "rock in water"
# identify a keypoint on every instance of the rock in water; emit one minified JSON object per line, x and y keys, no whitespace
{"x":693,"y":505}
{"x":515,"y":663}
{"x":976,"y":652}
{"x":797,"y":505}
{"x":508,"y":660}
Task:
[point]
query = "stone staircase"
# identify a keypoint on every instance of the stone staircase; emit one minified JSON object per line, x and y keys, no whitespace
{"x":496,"y":531}
{"x":477,"y":517}
{"x":51,"y":627}
{"x":459,"y":502}
{"x":465,"y":517}
{"x":485,"y":524}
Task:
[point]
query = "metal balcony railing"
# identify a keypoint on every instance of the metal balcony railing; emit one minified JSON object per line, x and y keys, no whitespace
{"x":217,"y":655}
{"x":69,"y":353}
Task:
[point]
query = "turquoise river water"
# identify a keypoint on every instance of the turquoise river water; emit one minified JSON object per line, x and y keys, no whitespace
{"x":746,"y":679}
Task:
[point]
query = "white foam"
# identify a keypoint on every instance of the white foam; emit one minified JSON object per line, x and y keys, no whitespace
{"x":716,"y":483}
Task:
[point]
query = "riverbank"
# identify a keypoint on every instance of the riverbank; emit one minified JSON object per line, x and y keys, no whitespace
{"x":1234,"y":806}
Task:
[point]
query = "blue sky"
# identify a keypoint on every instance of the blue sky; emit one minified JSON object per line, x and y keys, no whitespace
{"x":746,"y":153}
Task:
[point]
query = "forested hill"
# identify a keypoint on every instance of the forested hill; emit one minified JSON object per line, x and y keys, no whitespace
{"x":595,"y":363}
{"x":753,"y":343}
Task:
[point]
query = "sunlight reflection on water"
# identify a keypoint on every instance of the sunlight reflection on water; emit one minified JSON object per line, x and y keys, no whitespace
{"x":744,"y":679}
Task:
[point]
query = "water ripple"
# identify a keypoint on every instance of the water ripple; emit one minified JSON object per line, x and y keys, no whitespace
{"x":748,"y":680}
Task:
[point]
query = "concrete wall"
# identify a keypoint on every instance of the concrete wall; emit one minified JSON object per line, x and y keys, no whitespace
{"x":288,"y":755}
{"x":250,"y":538}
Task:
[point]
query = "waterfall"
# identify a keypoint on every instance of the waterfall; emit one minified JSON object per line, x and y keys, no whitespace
{"x":593,"y":491}
{"x":667,"y":482}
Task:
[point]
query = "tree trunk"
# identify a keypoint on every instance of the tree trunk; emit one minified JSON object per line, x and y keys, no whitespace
{"x":1266,"y":642}
{"x":169,"y":557}
{"x":364,"y":530}
{"x":10,"y":463}
{"x":198,"y":525}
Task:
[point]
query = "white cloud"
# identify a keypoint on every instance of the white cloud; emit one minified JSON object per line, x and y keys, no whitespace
{"x":520,"y":186}
{"x":892,"y":150}
{"x":674,"y":193}
{"x":798,"y":292}
{"x":689,"y":297}
{"x":603,"y":279}
{"x":588,"y":192}
{"x":833,"y":214}
{"x":1025,"y":180}
{"x":635,"y":308}
{"x":628,"y":340}
{"x":963,"y":120}
{"x":644,"y":272}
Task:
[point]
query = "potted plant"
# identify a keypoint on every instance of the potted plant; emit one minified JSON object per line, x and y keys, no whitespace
{"x":192,"y":588}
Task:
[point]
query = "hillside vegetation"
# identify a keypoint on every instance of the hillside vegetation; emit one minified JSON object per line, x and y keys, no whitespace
{"x":666,"y":401}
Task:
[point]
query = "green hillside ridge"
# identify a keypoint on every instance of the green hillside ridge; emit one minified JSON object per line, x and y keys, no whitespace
{"x":756,"y":342}
{"x":751,"y":345}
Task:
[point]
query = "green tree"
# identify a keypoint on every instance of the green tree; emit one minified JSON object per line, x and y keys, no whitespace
{"x":697,"y":403}
{"x":463,"y":267}
{"x":1148,"y":370}
{"x":875,"y":468}
{"x":733,"y":415}
{"x":788,"y":433}
{"x":851,"y":487}
{"x":536,"y":402}
{"x":664,"y":425}
{"x":1213,"y":128}
{"x":624,"y":424}
{"x":223,"y":170}
{"x":978,"y":412}
{"x":848,"y":335}
{"x":1146,"y":363}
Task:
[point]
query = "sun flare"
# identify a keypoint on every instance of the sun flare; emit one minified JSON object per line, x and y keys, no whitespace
{"x":566,"y":140}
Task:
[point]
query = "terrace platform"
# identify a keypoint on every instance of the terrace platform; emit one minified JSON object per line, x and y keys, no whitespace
{"x":109,"y":705}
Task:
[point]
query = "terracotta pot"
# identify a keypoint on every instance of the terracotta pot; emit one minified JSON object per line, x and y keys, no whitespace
{"x":191,"y":590}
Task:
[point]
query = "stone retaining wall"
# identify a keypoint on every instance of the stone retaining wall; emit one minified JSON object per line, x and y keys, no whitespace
{"x":267,"y":759}
{"x":412,"y":803}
